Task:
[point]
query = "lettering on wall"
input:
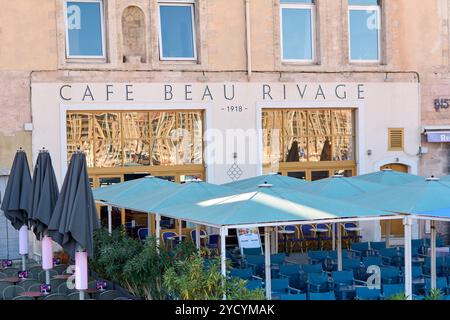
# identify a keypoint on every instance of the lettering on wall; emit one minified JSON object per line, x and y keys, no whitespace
{"x":441,"y":103}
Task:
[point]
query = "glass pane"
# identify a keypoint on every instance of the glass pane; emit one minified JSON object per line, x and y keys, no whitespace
{"x":295,"y":149}
{"x":107,"y":126}
{"x":135,"y":125}
{"x":342,"y":122}
{"x":272,"y":124}
{"x":84,"y":28}
{"x":297,"y":34}
{"x":343,"y":148}
{"x":136,"y":153}
{"x":362,"y":2}
{"x":345,"y":173}
{"x":297,"y":174}
{"x":295,"y":123}
{"x":105,"y":182}
{"x":364,"y":35}
{"x":91,"y":182}
{"x":177,"y":31}
{"x":318,"y":175}
{"x":79,"y":130}
{"x":190,"y":128}
{"x":187,"y":178}
{"x":319,"y":149}
{"x":319,"y":123}
{"x":108,"y":153}
{"x":163,"y":152}
{"x":168,"y":178}
{"x":162,"y":124}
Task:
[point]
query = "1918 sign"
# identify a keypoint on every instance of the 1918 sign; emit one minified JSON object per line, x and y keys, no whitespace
{"x":441,"y":103}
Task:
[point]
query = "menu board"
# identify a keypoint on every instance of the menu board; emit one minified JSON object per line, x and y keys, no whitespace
{"x":248,"y":238}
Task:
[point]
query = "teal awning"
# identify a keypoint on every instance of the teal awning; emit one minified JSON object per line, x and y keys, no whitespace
{"x":389,"y":177}
{"x":339,"y":187}
{"x":275,"y":179}
{"x":446,"y":178}
{"x":427,"y":195}
{"x":266,"y":205}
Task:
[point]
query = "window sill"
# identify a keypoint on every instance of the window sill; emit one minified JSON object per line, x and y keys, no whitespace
{"x":300,"y":64}
{"x":85,"y":60}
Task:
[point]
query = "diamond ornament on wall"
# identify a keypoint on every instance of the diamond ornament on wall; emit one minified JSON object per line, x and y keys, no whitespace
{"x":235,"y":172}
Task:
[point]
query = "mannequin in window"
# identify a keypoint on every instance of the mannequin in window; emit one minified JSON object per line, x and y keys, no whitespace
{"x":326,"y":151}
{"x":293,"y":155}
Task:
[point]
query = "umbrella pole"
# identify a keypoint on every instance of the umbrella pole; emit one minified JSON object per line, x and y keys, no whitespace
{"x":408,"y":263}
{"x":47,"y":276}
{"x":81,"y":272}
{"x":223,"y":259}
{"x":333,"y":235}
{"x":339,"y":246}
{"x":23,"y":245}
{"x":109,"y":219}
{"x":388,"y":232}
{"x":433,"y":254}
{"x":180,"y":230}
{"x":197,"y":236}
{"x":158,"y":229}
{"x":267,"y":272}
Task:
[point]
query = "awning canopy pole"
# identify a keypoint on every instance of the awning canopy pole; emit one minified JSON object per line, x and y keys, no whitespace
{"x":433,"y":255}
{"x":223,"y":258}
{"x":407,"y":222}
{"x":268,"y":276}
{"x":339,"y":246}
{"x":110,"y":219}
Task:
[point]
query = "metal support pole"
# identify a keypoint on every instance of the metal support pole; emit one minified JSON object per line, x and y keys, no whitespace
{"x":197,"y":236}
{"x":339,"y":246}
{"x":158,"y":229}
{"x":388,"y":232}
{"x":47,"y":276}
{"x":109,"y":219}
{"x":24,"y":262}
{"x":149,"y":223}
{"x":433,"y":254}
{"x":407,"y":223}
{"x":223,"y":257}
{"x":267,"y":267}
{"x":333,"y":235}
{"x":180,"y":230}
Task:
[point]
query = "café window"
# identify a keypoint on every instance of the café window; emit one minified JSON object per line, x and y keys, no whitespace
{"x":177,"y":38}
{"x":364,"y":20}
{"x":136,"y":138}
{"x":85,"y":30}
{"x":297,"y":30}
{"x":308,"y":135}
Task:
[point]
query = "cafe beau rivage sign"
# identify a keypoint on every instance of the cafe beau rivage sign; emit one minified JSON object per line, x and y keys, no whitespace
{"x":210,"y":92}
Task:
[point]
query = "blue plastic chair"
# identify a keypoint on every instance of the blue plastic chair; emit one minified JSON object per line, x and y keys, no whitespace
{"x":378,"y":245}
{"x":317,"y":256}
{"x":322,"y":295}
{"x":390,"y":290}
{"x":389,"y":255}
{"x":364,"y":293}
{"x":142,"y":233}
{"x":194,"y":235}
{"x":372,"y":261}
{"x":285,"y":296}
{"x":308,"y":235}
{"x":351,"y":264}
{"x":252,"y":251}
{"x":254,"y":284}
{"x":390,"y":275}
{"x":278,"y":259}
{"x":245,"y":274}
{"x":256,"y":262}
{"x":280,"y":286}
{"x":213,"y":241}
{"x":318,"y":282}
{"x":441,"y":284}
{"x":360,"y":248}
{"x":294,"y":273}
{"x":168,"y":235}
{"x":312,"y":268}
{"x":440,"y":263}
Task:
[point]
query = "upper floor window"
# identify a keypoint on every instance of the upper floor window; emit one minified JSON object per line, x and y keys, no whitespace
{"x":85,"y":34}
{"x":177,"y":30}
{"x":364,"y":30}
{"x":297,"y":30}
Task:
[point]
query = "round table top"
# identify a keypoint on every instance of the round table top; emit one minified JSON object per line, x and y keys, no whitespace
{"x":286,"y":231}
{"x":353,"y":229}
{"x":12,"y":279}
{"x":62,"y":276}
{"x":319,"y":230}
{"x":33,"y":294}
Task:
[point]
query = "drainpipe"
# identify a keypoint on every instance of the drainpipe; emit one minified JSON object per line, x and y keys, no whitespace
{"x":248,"y":38}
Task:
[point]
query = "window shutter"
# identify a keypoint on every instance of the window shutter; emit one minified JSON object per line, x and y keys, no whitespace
{"x":396,"y":139}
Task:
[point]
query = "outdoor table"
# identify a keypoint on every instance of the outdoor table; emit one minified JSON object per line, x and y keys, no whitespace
{"x":14,"y":280}
{"x":33,"y":294}
{"x":286,"y":233}
{"x":319,"y":231}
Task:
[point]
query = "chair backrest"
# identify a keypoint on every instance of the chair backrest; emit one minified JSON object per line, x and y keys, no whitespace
{"x":290,"y":228}
{"x":11,"y":272}
{"x":312,"y":268}
{"x":22,"y":298}
{"x":360,"y":246}
{"x":440,"y":262}
{"x":388,"y":252}
{"x":441,"y":283}
{"x":390,"y":290}
{"x":3,"y":275}
{"x":350,"y":264}
{"x":142,"y":233}
{"x":322,"y":295}
{"x":35,"y":287}
{"x":35,"y":269}
{"x":372,"y":261}
{"x":285,"y":296}
{"x":332,"y":254}
{"x":364,"y":293}
{"x":350,"y":225}
{"x":110,"y":295}
{"x":61,"y":269}
{"x":56,"y":296}
{"x":417,"y":242}
{"x":73,"y":296}
{"x":63,"y":289}
{"x":389,"y":272}
{"x":12,"y":291}
{"x":252,"y":251}
{"x":254,"y":259}
{"x":417,"y":272}
{"x":254,"y":284}
{"x":318,"y":255}
{"x":343,"y":277}
{"x":324,"y":226}
{"x":278,"y":258}
{"x":280,"y":285}
{"x":245,"y":274}
{"x":42,"y":278}
{"x":306,"y":230}
{"x":377,"y":245}
{"x":168,"y":234}
{"x":317,"y":278}
{"x":213,"y":239}
{"x":194,"y":234}
{"x":26,"y":284}
{"x":290,"y":269}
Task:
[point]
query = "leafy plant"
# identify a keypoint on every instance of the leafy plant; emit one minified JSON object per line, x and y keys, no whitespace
{"x":399,"y":296}
{"x":435,"y":294}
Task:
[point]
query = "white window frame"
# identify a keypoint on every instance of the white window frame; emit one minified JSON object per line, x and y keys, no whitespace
{"x":312,"y":8}
{"x":102,"y":21}
{"x":376,"y":8}
{"x":181,"y":3}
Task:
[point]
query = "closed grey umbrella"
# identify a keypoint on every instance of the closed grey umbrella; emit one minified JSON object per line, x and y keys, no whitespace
{"x":45,"y":194}
{"x":74,"y":218}
{"x":17,"y":200}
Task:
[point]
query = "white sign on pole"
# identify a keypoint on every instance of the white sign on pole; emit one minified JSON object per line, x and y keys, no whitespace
{"x":248,"y":238}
